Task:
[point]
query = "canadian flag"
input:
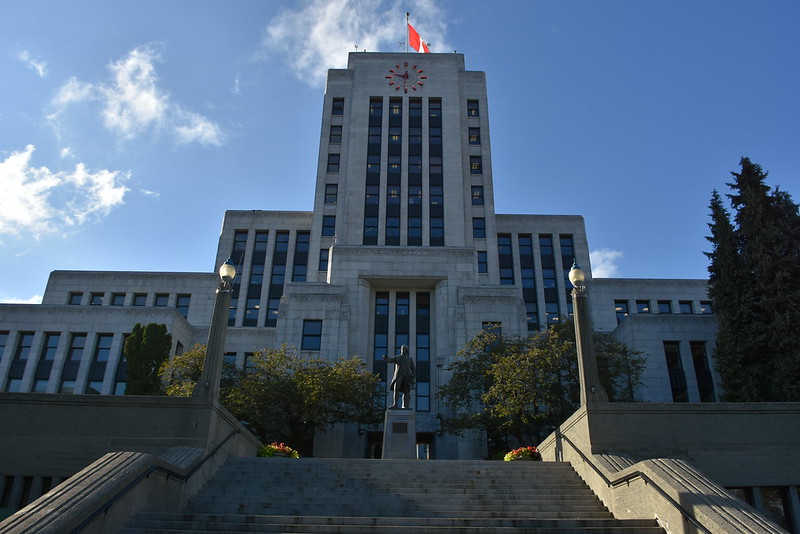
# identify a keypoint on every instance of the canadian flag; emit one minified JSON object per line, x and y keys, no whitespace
{"x":414,"y":41}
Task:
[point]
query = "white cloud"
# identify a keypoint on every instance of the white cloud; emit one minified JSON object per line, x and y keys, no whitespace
{"x":36,"y":299}
{"x":133,"y":103}
{"x":38,"y":201}
{"x":33,"y":63}
{"x":65,"y":152}
{"x":319,"y":36}
{"x":604,"y":262}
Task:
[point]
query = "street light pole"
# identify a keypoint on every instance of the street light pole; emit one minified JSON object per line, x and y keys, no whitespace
{"x":208,"y":385}
{"x":591,"y":389}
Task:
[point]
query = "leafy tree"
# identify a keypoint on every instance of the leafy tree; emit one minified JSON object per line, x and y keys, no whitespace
{"x":518,"y":390}
{"x":181,"y":373}
{"x":755,"y":286}
{"x":284,"y":397}
{"x":145,"y":350}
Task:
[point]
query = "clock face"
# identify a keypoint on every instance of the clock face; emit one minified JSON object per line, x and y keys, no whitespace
{"x":406,"y":77}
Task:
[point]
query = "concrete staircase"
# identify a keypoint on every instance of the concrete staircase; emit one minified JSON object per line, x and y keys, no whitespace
{"x":356,"y":496}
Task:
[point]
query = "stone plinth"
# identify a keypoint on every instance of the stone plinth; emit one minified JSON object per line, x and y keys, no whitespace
{"x":399,"y":435}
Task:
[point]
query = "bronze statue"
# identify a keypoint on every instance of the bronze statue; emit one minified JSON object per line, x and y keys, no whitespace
{"x":405,"y":373}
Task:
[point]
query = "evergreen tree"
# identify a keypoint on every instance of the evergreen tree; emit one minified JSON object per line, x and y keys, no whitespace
{"x":145,"y":350}
{"x":755,"y":285}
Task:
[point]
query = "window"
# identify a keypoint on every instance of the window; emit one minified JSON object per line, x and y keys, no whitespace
{"x":323,"y":259}
{"x":329,"y":225}
{"x":139,"y":299}
{"x":472,"y":108}
{"x":312,"y":334}
{"x":505,"y":259}
{"x":478,"y":227}
{"x":96,"y":299}
{"x":476,"y":165}
{"x":677,"y":378}
{"x":331,"y":192}
{"x":475,"y":136}
{"x":642,"y":306}
{"x":477,"y":195}
{"x":103,"y":347}
{"x":396,"y":107}
{"x":333,"y":162}
{"x":664,"y":306}
{"x":19,"y":362}
{"x":483,"y":265}
{"x":685,"y":306}
{"x":182,"y":304}
{"x":434,"y":107}
{"x":75,"y":299}
{"x":338,"y":106}
{"x":395,"y":135}
{"x":705,"y":307}
{"x":336,"y":134}
{"x":374,"y":139}
{"x":621,"y":309}
{"x":375,"y":107}
{"x":705,"y":382}
{"x":117,"y":299}
{"x":161,"y":300}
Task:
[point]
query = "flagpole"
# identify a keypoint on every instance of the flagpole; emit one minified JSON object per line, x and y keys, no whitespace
{"x":407,"y":31}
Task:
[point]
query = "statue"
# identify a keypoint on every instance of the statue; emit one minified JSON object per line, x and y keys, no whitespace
{"x":404,"y":377}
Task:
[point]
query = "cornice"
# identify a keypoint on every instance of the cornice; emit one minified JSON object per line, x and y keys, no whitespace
{"x":402,"y":252}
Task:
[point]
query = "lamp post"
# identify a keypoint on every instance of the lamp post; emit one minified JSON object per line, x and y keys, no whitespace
{"x":591,"y":390}
{"x":208,"y":385}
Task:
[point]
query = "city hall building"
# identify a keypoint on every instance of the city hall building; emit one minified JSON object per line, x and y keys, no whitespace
{"x":403,"y":247}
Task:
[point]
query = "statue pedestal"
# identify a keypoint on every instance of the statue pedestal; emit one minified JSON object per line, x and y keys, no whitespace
{"x":400,"y":435}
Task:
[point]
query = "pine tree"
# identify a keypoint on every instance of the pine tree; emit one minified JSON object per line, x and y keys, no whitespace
{"x":145,"y":350}
{"x":755,"y":285}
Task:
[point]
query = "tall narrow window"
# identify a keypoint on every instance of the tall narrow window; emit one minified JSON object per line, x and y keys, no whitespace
{"x":505,"y":259}
{"x":478,"y":227}
{"x":329,"y":225}
{"x":323,"y":259}
{"x":549,"y":279}
{"x":277,"y":277}
{"x":472,"y":108}
{"x":237,"y":258}
{"x":19,"y":362}
{"x":677,"y":378}
{"x":337,"y":107}
{"x":705,"y":381}
{"x":483,"y":263}
{"x":45,"y":364}
{"x":312,"y":334}
{"x":476,"y":165}
{"x":97,"y":369}
{"x":69,"y":373}
{"x":475,"y":136}
{"x":182,"y":304}
{"x":300,"y":267}
{"x":567,"y":258}
{"x":380,"y":341}
{"x":621,"y":309}
{"x":423,"y":352}
{"x":528,"y":279}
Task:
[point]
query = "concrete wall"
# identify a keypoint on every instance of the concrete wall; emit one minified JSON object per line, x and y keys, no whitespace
{"x":51,"y":436}
{"x":673,"y":461}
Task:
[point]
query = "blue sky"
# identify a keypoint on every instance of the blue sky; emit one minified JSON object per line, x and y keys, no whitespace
{"x":128,"y":128}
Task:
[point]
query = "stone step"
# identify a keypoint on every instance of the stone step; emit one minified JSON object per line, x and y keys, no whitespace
{"x":158,"y":523}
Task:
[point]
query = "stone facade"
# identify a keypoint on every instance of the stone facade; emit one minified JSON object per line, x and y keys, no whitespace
{"x":403,"y":246}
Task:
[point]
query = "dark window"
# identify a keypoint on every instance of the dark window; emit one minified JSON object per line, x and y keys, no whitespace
{"x":395,"y":135}
{"x":331,"y":192}
{"x":621,"y":309}
{"x":434,"y":107}
{"x":642,"y":306}
{"x":483,"y":266}
{"x":118,"y":299}
{"x":396,"y":107}
{"x":338,"y":106}
{"x":312,"y":334}
{"x":333,"y":162}
{"x":336,"y":134}
{"x":75,"y":299}
{"x":685,"y":306}
{"x":474,"y":136}
{"x":139,"y":299}
{"x":705,"y":307}
{"x":182,"y":304}
{"x":375,"y":107}
{"x":161,"y":299}
{"x":476,"y":165}
{"x":472,"y":108}
{"x":664,"y":306}
{"x":374,"y":138}
{"x":96,"y":299}
{"x":329,"y":225}
{"x":103,"y":348}
{"x":477,"y":195}
{"x":505,"y":259}
{"x":705,"y":382}
{"x":677,"y":378}
{"x":323,"y":259}
{"x":478,"y":227}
